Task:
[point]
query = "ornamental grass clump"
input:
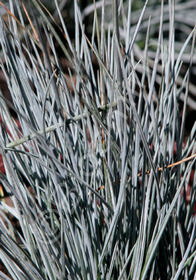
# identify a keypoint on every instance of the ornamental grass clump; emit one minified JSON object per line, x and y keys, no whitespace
{"x":97,"y":161}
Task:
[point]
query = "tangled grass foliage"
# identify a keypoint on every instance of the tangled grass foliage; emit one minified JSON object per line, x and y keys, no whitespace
{"x":89,"y":151}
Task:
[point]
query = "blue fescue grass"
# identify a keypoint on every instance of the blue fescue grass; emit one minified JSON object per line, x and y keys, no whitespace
{"x":91,"y":170}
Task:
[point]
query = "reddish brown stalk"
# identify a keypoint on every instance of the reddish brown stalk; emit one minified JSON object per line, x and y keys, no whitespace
{"x":30,"y":22}
{"x":170,"y":165}
{"x":19,"y":23}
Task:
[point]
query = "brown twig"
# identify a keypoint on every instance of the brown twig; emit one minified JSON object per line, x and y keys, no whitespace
{"x":160,"y":169}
